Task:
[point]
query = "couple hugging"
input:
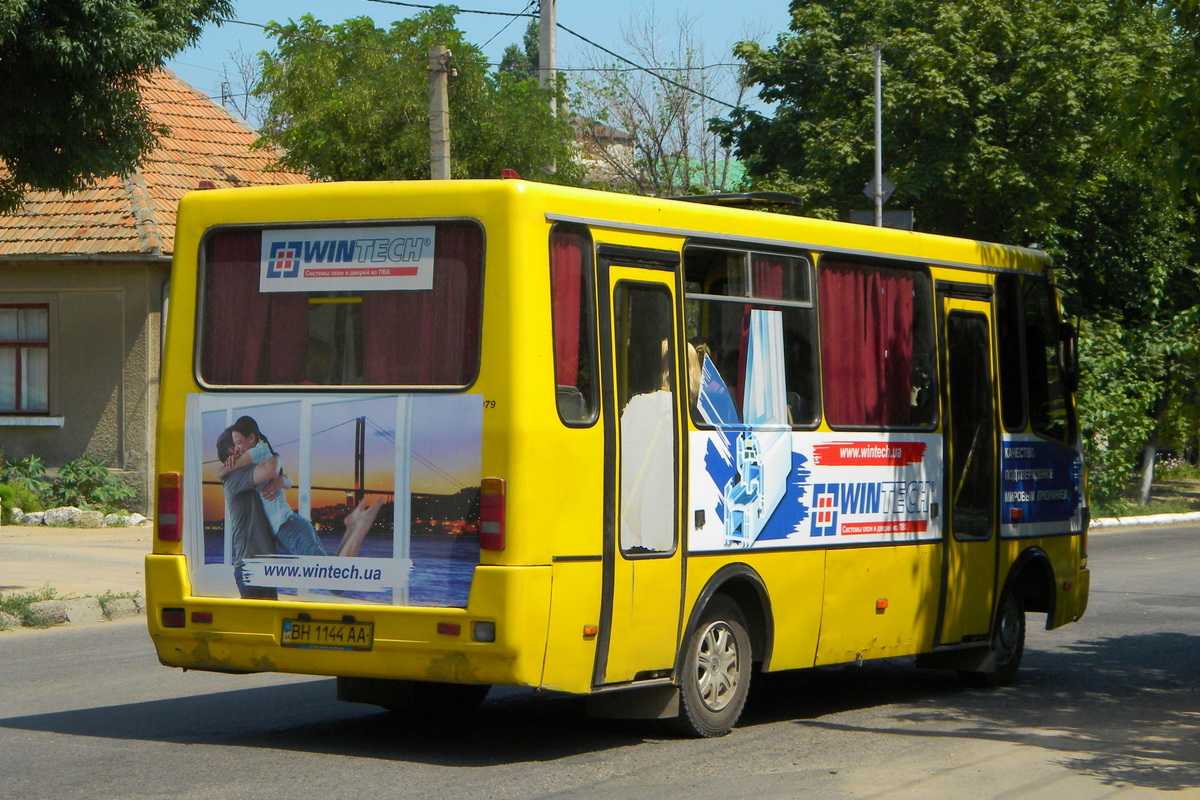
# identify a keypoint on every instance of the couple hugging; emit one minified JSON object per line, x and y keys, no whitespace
{"x":257,"y":512}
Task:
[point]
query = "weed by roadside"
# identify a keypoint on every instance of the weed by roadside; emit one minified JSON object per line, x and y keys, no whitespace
{"x":18,"y":605}
{"x":17,"y":608}
{"x":110,"y":599}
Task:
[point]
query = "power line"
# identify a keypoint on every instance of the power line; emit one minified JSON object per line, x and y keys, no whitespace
{"x":582,"y":38}
{"x":658,"y":74}
{"x":647,"y":70}
{"x":460,"y":10}
{"x":508,"y":24}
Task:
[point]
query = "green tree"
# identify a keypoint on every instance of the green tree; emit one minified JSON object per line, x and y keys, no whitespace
{"x":1121,"y":376}
{"x":989,"y":124}
{"x":524,"y":62}
{"x":1126,"y":250}
{"x":69,"y":71}
{"x":1168,"y":111}
{"x":998,"y":121}
{"x":351,"y":102}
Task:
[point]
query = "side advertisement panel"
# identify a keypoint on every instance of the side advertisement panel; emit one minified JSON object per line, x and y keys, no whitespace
{"x":754,"y":482}
{"x":334,"y":498}
{"x":825,"y":491}
{"x":1041,"y":488}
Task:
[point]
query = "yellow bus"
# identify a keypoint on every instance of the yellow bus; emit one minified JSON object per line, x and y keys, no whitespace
{"x":431,"y":437}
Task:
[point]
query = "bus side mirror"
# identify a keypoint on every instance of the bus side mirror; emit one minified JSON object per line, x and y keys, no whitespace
{"x":1068,"y":355}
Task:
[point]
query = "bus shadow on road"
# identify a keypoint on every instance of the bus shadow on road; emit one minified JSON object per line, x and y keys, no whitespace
{"x":511,"y":727}
{"x":1123,"y":710}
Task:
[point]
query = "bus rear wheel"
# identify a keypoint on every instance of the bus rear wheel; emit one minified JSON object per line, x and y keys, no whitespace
{"x":715,"y":671}
{"x":1008,"y":645}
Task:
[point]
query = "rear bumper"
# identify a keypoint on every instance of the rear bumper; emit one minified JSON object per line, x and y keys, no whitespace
{"x":245,"y":635}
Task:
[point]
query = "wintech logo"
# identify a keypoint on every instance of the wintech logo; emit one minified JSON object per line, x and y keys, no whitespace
{"x":825,"y":509}
{"x":879,"y":507}
{"x":400,"y":257}
{"x":284,"y":261}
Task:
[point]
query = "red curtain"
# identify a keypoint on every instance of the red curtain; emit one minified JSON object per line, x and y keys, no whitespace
{"x":429,"y":338}
{"x":768,"y":274}
{"x":566,"y":287}
{"x":249,"y":338}
{"x":866,"y":344}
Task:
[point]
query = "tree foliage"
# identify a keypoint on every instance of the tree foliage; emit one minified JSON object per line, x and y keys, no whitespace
{"x":1166,"y":112}
{"x":1122,"y":370}
{"x":524,"y":62}
{"x":993,"y":111}
{"x":69,"y":73}
{"x":1006,"y":120}
{"x":351,"y":102}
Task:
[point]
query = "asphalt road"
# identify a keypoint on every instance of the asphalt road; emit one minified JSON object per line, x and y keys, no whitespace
{"x":1108,"y":707}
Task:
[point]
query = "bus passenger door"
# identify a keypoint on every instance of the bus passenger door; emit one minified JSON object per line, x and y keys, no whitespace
{"x":970,"y":558}
{"x":642,"y":572}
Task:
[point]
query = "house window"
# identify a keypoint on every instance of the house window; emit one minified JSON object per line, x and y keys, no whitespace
{"x":24,"y":359}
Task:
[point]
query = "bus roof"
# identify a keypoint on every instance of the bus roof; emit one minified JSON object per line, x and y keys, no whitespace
{"x":364,"y":200}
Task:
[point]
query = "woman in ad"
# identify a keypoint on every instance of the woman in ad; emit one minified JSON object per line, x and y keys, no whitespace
{"x":247,"y":460}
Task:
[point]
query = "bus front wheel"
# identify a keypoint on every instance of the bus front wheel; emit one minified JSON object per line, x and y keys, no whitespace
{"x":715,"y":671}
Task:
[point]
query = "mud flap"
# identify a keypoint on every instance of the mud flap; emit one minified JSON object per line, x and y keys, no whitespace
{"x":648,"y":702}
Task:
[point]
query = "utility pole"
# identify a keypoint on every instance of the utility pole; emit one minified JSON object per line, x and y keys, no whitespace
{"x":878,"y":134}
{"x":439,"y":113}
{"x":547,"y":48}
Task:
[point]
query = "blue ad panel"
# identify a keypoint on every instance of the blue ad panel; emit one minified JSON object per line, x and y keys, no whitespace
{"x":1040,"y":487}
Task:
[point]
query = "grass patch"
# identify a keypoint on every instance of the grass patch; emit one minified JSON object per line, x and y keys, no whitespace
{"x":110,"y":597}
{"x":18,"y":604}
{"x":1172,"y":495}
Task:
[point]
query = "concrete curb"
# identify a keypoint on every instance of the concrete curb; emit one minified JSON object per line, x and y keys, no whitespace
{"x":85,"y":609}
{"x":1153,"y":519}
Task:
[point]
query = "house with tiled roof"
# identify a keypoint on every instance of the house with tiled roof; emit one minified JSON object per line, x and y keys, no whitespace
{"x":84,"y":289}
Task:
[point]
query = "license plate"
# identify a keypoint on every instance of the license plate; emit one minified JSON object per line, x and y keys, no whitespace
{"x":328,"y":635}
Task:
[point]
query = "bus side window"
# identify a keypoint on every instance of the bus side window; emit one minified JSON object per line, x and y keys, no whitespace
{"x":1009,"y":350}
{"x":723,"y":286}
{"x":574,"y":343}
{"x":877,"y":346}
{"x":1048,"y":408}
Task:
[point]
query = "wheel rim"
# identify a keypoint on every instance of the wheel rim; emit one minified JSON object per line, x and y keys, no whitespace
{"x":717,"y":666}
{"x":1008,"y":635}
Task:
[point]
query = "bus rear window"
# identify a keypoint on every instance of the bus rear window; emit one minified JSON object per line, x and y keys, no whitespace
{"x":390,"y":305}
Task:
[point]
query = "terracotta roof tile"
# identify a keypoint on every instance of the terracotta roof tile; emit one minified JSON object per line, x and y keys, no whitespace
{"x":136,"y":215}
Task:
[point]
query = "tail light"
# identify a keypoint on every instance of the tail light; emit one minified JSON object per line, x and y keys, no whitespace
{"x":170,"y":501}
{"x":491,"y":514}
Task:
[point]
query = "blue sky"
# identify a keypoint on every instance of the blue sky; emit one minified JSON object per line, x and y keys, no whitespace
{"x":716,"y":25}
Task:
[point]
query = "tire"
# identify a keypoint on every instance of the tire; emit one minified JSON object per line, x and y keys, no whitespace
{"x":1007,"y":646}
{"x":715,"y":671}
